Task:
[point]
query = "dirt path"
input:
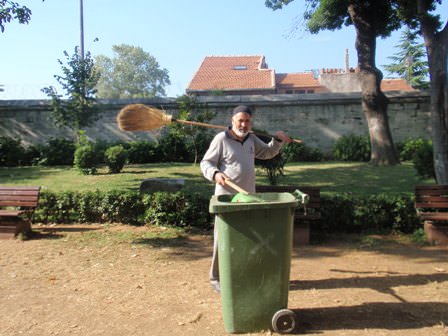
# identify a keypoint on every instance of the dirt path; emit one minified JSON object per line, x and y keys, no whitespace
{"x":62,"y":284}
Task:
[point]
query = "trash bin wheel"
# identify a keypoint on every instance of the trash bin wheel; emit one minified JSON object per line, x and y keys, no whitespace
{"x":284,"y":321}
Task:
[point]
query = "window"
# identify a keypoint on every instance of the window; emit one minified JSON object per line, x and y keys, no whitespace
{"x":240,"y":67}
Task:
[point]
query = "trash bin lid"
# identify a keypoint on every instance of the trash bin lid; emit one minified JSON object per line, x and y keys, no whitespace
{"x":269,"y":200}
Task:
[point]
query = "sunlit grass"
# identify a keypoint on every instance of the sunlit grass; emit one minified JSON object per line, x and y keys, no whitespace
{"x":358,"y":178}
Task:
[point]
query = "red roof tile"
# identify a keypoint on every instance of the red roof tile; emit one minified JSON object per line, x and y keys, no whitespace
{"x":232,"y":73}
{"x":395,"y":84}
{"x":296,"y":80}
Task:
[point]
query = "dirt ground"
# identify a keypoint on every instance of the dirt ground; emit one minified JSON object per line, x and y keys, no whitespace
{"x":59,"y":284}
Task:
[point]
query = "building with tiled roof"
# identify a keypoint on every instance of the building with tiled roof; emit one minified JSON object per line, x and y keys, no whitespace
{"x":233,"y":75}
{"x":395,"y":84}
{"x":303,"y":82}
{"x":250,"y":75}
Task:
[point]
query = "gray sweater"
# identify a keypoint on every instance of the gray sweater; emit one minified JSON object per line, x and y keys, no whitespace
{"x":236,"y":160}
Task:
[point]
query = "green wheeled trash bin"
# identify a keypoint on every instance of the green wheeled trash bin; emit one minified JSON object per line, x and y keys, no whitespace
{"x":254,"y":251}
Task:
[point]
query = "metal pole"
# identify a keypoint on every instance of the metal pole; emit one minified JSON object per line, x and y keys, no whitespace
{"x":82,"y":30}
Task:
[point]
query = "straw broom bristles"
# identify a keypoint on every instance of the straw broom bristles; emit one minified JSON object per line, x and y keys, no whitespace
{"x":139,"y":117}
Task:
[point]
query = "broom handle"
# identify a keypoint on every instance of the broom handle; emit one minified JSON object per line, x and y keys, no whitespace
{"x":236,"y":187}
{"x":197,"y":123}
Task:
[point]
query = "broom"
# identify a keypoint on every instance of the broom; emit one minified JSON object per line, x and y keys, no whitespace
{"x":140,"y":117}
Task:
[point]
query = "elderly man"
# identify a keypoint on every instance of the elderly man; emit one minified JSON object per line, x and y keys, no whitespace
{"x":232,"y":155}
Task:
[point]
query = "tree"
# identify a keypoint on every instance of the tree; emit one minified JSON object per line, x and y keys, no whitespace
{"x":418,"y":14}
{"x":197,"y":138}
{"x":78,"y":109}
{"x":371,"y":19}
{"x":10,"y":10}
{"x":132,"y":73}
{"x":408,"y":62}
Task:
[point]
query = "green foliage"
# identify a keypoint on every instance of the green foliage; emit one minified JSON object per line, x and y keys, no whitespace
{"x":424,"y":160}
{"x":11,"y":152}
{"x":409,"y":148}
{"x":130,"y":207}
{"x":122,"y":207}
{"x":178,"y":209}
{"x":352,"y":148}
{"x":132,"y":73}
{"x":165,"y":209}
{"x":86,"y":159}
{"x":409,"y":62}
{"x":78,"y":109}
{"x":380,"y":213}
{"x":142,"y":151}
{"x":298,"y":152}
{"x":116,"y":157}
{"x":173,"y":148}
{"x":419,"y":237}
{"x":274,"y":167}
{"x":57,"y":152}
{"x":10,"y":10}
{"x":197,"y":139}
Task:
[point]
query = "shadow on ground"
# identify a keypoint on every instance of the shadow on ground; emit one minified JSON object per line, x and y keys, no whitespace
{"x":374,"y":315}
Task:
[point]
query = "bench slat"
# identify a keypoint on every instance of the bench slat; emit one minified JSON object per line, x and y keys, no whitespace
{"x":435,"y":216}
{"x":11,"y":213}
{"x":17,"y":200}
{"x":434,"y":205}
{"x":19,"y":196}
{"x":429,"y":199}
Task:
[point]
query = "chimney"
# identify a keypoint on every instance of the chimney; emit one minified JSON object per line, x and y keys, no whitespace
{"x":347,"y":68}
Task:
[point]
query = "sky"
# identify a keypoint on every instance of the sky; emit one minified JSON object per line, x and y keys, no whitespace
{"x":179,"y":34}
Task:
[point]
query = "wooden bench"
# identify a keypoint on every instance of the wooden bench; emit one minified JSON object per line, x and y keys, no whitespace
{"x":431,"y":204}
{"x":305,"y":214}
{"x":16,"y":207}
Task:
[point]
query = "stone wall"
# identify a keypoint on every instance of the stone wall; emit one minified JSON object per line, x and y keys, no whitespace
{"x":318,"y":119}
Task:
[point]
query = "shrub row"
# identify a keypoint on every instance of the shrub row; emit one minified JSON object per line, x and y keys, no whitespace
{"x":168,"y":148}
{"x":340,"y":213}
{"x":379,"y":213}
{"x":160,"y":208}
{"x":171,"y":147}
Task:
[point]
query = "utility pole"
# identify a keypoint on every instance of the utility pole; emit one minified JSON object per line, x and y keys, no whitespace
{"x":82,"y":29}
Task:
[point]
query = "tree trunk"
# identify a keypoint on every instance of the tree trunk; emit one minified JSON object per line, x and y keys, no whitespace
{"x":374,"y":102}
{"x":437,"y":49}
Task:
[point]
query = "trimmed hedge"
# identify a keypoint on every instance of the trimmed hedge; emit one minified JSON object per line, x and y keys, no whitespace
{"x":340,"y":213}
{"x":379,"y":213}
{"x":131,"y":207}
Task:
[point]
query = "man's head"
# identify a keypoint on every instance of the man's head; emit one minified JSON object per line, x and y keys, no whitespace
{"x":241,"y":120}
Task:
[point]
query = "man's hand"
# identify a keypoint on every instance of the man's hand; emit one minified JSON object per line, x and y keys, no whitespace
{"x":283,"y":137}
{"x":220,"y":178}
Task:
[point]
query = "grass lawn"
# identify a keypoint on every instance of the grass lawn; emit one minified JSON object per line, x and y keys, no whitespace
{"x":358,"y":178}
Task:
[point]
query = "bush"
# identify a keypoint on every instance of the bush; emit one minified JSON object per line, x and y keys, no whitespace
{"x":173,"y":148}
{"x":298,"y":152}
{"x":142,"y":151}
{"x":86,"y":159}
{"x":409,"y":148}
{"x":178,"y":209}
{"x":424,"y":160}
{"x":380,"y":213}
{"x":115,"y":158}
{"x":57,"y":152}
{"x":12,"y":152}
{"x":122,"y":207}
{"x":352,"y":148}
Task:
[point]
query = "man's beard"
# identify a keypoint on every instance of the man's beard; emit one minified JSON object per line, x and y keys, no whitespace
{"x":241,"y":133}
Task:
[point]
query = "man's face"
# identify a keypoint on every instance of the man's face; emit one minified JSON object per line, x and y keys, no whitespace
{"x":241,"y":123}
